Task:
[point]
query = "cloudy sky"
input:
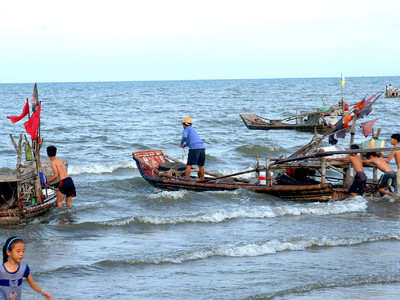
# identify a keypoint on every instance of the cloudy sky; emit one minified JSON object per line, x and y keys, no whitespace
{"x":121,"y":40}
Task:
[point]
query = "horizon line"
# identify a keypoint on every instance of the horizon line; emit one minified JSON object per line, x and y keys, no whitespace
{"x":215,"y":79}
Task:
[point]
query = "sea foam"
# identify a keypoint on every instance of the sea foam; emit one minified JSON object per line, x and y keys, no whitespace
{"x":101,"y":168}
{"x":261,"y":248}
{"x":260,"y":212}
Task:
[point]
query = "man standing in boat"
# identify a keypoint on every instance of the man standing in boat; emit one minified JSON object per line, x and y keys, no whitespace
{"x":197,"y":151}
{"x":396,"y":154}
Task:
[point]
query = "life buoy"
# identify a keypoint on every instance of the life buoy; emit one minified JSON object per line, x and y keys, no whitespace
{"x":346,"y":107}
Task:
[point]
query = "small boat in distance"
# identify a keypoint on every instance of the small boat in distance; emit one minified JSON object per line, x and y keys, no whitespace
{"x":392,"y":92}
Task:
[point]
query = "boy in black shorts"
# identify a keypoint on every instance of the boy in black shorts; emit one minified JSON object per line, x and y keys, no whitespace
{"x":66,"y":187}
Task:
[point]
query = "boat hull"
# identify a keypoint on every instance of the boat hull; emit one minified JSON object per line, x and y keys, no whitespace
{"x":255,"y":122}
{"x":15,"y":216}
{"x":307,"y":193}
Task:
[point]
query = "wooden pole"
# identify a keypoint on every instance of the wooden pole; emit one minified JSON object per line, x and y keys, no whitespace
{"x":330,"y":153}
{"x":235,"y":174}
{"x":353,"y":130}
{"x":378,"y":133}
{"x":268,"y":172}
{"x":323,"y":170}
{"x":375,"y":174}
{"x":19,"y":151}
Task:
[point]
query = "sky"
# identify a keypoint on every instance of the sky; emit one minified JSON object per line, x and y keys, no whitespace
{"x":122,"y":40}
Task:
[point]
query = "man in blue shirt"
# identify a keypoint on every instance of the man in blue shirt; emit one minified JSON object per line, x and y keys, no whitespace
{"x":197,"y":151}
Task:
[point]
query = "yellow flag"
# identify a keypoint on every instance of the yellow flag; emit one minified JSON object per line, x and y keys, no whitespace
{"x":343,"y":80}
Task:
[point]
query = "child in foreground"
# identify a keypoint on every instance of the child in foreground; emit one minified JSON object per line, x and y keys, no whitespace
{"x":13,"y":270}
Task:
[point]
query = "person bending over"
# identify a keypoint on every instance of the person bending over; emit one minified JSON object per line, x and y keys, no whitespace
{"x":388,"y":172}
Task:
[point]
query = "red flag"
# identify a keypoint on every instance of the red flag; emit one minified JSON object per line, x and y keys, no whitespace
{"x":24,"y":113}
{"x":32,"y":124}
{"x":370,"y":99}
{"x":367,"y":127}
{"x":35,"y":98}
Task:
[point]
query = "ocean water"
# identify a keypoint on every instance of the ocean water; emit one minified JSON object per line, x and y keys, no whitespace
{"x":124,"y":239}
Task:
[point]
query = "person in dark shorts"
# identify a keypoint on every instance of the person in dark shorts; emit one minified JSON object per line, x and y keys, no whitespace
{"x":66,"y":187}
{"x":388,"y":173}
{"x":197,"y":151}
{"x":394,"y":141}
{"x":359,"y":184}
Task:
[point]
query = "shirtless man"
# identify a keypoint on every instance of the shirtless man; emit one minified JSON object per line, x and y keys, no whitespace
{"x":66,"y":187}
{"x":359,"y":184}
{"x":382,"y":165}
{"x":396,"y":154}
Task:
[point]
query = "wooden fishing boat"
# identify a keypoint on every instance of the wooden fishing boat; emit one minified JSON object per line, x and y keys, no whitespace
{"x":256,"y":122}
{"x":321,"y":121}
{"x":24,"y":193}
{"x":164,"y":172}
{"x":306,"y":175}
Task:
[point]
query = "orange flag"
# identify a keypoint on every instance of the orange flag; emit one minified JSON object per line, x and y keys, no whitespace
{"x":360,"y":105}
{"x":346,"y":120}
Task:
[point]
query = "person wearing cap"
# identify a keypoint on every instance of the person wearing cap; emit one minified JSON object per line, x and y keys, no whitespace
{"x":197,"y":151}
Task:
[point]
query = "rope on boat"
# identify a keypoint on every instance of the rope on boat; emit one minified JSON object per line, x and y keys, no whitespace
{"x":184,"y":156}
{"x":172,"y":173}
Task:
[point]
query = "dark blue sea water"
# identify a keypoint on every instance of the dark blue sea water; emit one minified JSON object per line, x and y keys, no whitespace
{"x":124,"y":239}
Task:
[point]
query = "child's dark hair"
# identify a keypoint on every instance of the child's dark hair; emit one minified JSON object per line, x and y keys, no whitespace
{"x":396,"y":136}
{"x":354,"y":146}
{"x":51,"y":151}
{"x":9,"y":245}
{"x":369,"y":154}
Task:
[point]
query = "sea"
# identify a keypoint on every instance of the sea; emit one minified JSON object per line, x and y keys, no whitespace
{"x":125,"y":239}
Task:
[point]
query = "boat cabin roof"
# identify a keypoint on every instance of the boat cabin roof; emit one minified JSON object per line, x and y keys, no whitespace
{"x":10,"y":177}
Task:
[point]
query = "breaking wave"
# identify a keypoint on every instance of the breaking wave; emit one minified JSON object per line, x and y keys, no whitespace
{"x":270,"y":247}
{"x":239,"y":250}
{"x":259,"y":212}
{"x":101,"y":168}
